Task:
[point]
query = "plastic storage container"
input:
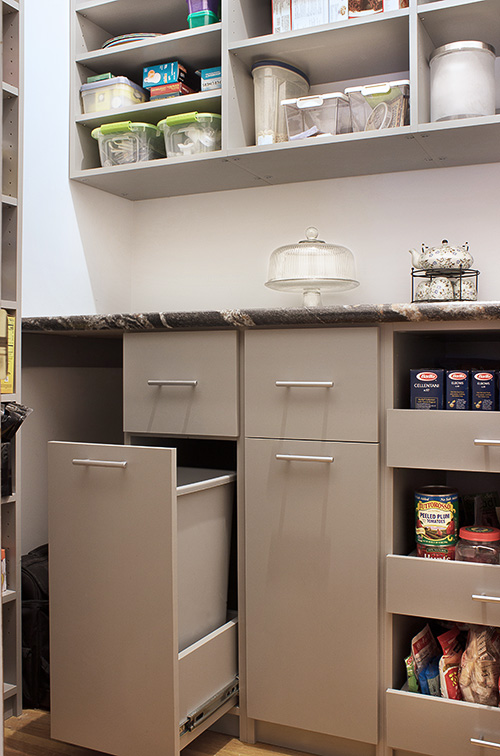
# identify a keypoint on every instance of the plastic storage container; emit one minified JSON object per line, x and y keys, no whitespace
{"x":128,"y":142}
{"x":111,"y":94}
{"x":202,"y":18}
{"x":478,"y":544}
{"x":317,"y":114}
{"x":204,"y":509}
{"x":274,"y":82}
{"x":379,"y":106}
{"x":462,"y":80}
{"x":191,"y":133}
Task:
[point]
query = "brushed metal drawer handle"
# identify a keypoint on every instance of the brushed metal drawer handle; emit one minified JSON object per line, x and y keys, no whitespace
{"x":487,"y":599}
{"x":172,"y":383}
{"x":304,"y":384}
{"x":99,"y":463}
{"x":303,"y":458}
{"x":486,"y":442}
{"x":485,"y":743}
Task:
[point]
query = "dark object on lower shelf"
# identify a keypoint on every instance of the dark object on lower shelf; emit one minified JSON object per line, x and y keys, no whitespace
{"x":6,"y":469}
{"x":35,"y":628}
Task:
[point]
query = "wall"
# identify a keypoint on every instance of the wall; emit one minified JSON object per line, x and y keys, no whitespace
{"x":86,"y":251}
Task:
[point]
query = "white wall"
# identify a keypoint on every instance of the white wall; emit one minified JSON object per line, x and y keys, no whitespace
{"x":86,"y":251}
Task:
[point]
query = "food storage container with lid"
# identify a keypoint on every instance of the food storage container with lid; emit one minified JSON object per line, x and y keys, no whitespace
{"x":379,"y":106}
{"x":274,"y":82}
{"x":202,"y":18}
{"x":462,"y":80}
{"x":111,"y":94}
{"x":312,"y":266}
{"x":128,"y":142}
{"x":316,"y":115}
{"x":478,"y":544}
{"x":191,"y":133}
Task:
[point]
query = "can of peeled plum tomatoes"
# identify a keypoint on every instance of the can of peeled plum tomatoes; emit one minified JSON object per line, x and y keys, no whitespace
{"x":436,"y":521}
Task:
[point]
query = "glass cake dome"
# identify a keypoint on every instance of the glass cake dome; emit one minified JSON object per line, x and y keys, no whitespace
{"x":312,"y":266}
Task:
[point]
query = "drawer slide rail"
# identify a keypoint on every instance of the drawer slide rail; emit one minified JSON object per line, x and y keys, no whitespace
{"x":209,"y":707}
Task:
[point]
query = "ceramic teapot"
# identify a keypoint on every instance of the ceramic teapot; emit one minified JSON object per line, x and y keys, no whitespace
{"x":445,"y":256}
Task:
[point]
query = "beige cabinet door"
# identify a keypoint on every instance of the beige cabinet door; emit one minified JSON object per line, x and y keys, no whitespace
{"x":181,"y":383}
{"x":312,"y":384}
{"x":112,"y":520}
{"x":311,"y":513}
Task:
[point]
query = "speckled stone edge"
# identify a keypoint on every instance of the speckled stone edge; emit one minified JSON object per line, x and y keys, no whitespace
{"x":285,"y":317}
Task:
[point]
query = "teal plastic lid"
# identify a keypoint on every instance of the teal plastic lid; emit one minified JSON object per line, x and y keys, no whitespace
{"x":182,"y":118}
{"x":203,"y":14}
{"x":121,"y":127}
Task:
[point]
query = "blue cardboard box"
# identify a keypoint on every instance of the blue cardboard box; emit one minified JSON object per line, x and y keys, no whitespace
{"x":427,"y":389}
{"x":168,"y":73}
{"x":457,"y":390}
{"x":484,"y":395}
{"x":211,"y":78}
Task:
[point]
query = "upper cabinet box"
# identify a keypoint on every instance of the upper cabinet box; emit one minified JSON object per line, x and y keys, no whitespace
{"x":181,"y":383}
{"x":312,"y":384}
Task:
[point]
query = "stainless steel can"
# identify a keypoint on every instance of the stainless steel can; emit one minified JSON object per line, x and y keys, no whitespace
{"x":436,"y":521}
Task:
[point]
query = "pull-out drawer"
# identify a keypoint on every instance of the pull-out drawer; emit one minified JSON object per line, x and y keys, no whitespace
{"x":440,"y":727}
{"x":119,"y":517}
{"x":444,"y":440}
{"x":181,"y":383}
{"x":312,"y":384}
{"x":442,"y":589}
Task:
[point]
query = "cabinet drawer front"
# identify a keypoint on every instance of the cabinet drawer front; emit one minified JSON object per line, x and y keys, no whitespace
{"x":181,"y":383}
{"x":444,"y":440}
{"x":441,"y":589}
{"x":311,"y":570}
{"x":439,"y":727}
{"x":312,"y":384}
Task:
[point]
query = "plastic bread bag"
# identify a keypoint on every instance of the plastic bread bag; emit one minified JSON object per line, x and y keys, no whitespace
{"x":424,"y":648}
{"x":428,"y":678}
{"x":411,"y":674}
{"x":480,"y":666}
{"x":449,"y":663}
{"x":13,"y":415}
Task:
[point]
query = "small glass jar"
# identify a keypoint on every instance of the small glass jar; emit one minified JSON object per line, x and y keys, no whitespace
{"x":478,"y":544}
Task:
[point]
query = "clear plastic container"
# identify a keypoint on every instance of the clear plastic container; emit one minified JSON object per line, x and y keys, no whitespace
{"x":462,"y":81}
{"x":111,"y":94}
{"x":191,"y":133}
{"x":128,"y":142}
{"x":478,"y":544}
{"x":274,"y":82}
{"x":379,"y":106}
{"x":317,"y":114}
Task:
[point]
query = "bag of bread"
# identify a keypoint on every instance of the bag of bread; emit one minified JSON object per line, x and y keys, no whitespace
{"x":480,"y":666}
{"x":449,"y":663}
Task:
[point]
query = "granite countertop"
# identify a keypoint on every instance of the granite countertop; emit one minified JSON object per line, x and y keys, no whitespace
{"x":254,"y":318}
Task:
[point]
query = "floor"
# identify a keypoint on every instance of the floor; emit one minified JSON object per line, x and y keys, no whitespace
{"x":29,"y":735}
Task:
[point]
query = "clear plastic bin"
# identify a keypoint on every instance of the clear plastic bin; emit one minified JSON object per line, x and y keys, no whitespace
{"x":317,"y":114}
{"x":191,"y":133}
{"x":379,"y":106}
{"x":128,"y":142}
{"x":274,"y":82}
{"x":111,"y":94}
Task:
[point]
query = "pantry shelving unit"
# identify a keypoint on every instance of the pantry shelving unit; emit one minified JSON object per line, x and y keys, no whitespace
{"x":381,"y":47}
{"x":10,"y":299}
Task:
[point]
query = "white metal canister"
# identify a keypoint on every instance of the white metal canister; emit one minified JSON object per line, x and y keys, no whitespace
{"x":462,"y":80}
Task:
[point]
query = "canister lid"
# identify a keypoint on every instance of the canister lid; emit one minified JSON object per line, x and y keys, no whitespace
{"x":463,"y":45}
{"x":280,"y":64}
{"x":475,"y":533}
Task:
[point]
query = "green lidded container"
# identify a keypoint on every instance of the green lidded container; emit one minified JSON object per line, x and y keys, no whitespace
{"x":128,"y":142}
{"x":202,"y":18}
{"x":191,"y":133}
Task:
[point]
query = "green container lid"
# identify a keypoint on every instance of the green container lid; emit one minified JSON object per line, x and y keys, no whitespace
{"x":202,"y":18}
{"x":182,"y":118}
{"x":122,"y":127}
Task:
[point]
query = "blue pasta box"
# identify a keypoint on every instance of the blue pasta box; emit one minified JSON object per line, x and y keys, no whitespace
{"x":427,"y":389}
{"x":484,"y":395}
{"x":457,"y":390}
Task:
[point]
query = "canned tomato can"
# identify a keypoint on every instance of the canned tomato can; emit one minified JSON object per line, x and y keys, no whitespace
{"x":436,"y":521}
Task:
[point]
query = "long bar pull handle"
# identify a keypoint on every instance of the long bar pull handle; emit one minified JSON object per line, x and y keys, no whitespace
{"x":486,"y":599}
{"x":305,"y":384}
{"x":303,"y":458}
{"x":485,"y":743}
{"x":99,"y":463}
{"x":486,"y":442}
{"x":172,"y":383}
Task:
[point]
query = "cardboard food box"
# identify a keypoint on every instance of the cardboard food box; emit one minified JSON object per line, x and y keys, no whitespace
{"x":172,"y":72}
{"x":169,"y":90}
{"x":309,"y":13}
{"x":211,"y":78}
{"x":282,"y":16}
{"x":427,"y":389}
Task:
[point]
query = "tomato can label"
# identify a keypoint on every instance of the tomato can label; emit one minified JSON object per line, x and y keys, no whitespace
{"x":436,"y":518}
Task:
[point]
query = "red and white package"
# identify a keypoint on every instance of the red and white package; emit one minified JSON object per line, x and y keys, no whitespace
{"x":449,"y":663}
